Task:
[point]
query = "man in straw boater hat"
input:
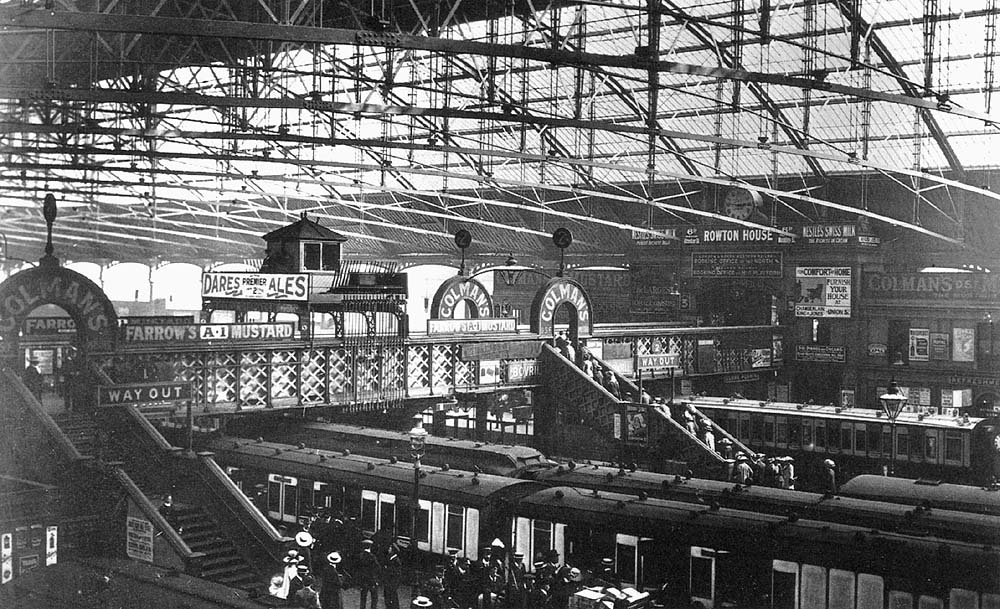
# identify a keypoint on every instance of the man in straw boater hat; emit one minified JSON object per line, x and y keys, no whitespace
{"x":367,"y":573}
{"x":332,"y":583}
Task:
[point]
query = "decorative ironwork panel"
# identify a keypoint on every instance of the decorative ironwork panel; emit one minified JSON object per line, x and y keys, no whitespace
{"x":466,"y":373}
{"x":394,"y":370}
{"x":689,"y":354}
{"x":341,"y":374}
{"x":284,"y":374}
{"x":443,"y":357}
{"x":312,"y":387}
{"x":369,"y":362}
{"x":418,"y":367}
{"x":254,"y":379}
{"x":220,"y":372}
{"x":644,"y":345}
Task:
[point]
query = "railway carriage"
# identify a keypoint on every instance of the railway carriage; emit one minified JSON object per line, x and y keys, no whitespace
{"x":937,"y":496}
{"x":956,"y":449}
{"x":713,"y":555}
{"x":457,"y":509}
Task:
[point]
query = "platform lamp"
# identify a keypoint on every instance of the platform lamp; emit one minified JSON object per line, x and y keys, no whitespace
{"x":418,"y":441}
{"x":892,"y":402}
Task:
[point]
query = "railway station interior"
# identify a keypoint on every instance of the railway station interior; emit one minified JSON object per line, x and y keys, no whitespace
{"x":558,"y":305}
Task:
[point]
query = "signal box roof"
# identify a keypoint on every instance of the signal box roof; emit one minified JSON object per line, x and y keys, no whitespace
{"x":304,"y":229}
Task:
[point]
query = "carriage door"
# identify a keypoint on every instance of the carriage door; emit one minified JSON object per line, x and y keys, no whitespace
{"x":282,"y":498}
{"x":627,"y":560}
{"x":654,"y":564}
{"x":702,"y":581}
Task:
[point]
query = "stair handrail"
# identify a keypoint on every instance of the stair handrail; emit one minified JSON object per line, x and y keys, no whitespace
{"x":220,"y":479}
{"x":664,"y":411}
{"x":149,"y":510}
{"x":580,"y":370}
{"x":151,"y":432}
{"x":32,"y":405}
{"x":721,"y":431}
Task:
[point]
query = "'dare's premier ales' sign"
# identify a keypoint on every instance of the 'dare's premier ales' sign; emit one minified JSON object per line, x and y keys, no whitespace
{"x":255,"y":286}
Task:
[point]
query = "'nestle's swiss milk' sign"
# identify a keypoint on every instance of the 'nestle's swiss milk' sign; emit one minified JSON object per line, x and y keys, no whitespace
{"x":260,"y":286}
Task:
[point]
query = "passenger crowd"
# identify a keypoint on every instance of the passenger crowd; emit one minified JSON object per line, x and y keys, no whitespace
{"x":331,"y":555}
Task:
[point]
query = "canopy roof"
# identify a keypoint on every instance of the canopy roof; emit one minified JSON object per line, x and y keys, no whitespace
{"x":186,"y":130}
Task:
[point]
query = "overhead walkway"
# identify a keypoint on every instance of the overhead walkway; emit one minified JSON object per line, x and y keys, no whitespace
{"x":585,"y":405}
{"x":213,"y":528}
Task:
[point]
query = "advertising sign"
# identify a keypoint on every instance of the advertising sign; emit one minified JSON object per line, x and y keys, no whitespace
{"x":522,"y":371}
{"x":469,"y":352}
{"x":736,"y":264}
{"x":173,"y":333}
{"x":51,"y":545}
{"x":940,"y":345}
{"x":139,"y":539}
{"x":931,"y":286}
{"x":480,"y":325}
{"x":637,"y":428}
{"x":760,"y":358}
{"x":824,"y":291}
{"x":819,"y":353}
{"x":255,"y":286}
{"x":6,"y":558}
{"x":963,"y":344}
{"x":920,"y":340}
{"x":489,"y":371}
{"x":142,"y":393}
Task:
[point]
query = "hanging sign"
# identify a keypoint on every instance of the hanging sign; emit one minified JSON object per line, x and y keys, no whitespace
{"x":141,"y":393}
{"x":477,"y":325}
{"x":173,"y":333}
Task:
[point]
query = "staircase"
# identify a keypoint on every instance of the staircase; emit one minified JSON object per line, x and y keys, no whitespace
{"x":221,"y":563}
{"x":81,"y":430}
{"x":581,"y":399}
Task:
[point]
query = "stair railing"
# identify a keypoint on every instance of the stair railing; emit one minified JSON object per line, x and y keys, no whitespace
{"x":190,"y":557}
{"x":31,"y":404}
{"x":721,"y":432}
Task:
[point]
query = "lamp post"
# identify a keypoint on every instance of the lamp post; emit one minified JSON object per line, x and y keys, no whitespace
{"x":418,"y":440}
{"x":892,"y":401}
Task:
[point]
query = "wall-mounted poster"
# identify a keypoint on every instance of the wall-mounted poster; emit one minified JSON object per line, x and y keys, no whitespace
{"x":940,"y":346}
{"x":920,"y":340}
{"x":963,"y":344}
{"x":823,"y":291}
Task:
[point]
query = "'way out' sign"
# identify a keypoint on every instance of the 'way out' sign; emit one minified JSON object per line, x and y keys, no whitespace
{"x":143,"y":393}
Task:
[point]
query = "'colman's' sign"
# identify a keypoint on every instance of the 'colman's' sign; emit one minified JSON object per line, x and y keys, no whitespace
{"x":258,"y":286}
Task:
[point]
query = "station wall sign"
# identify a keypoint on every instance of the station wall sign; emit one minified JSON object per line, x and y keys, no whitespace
{"x":143,"y":393}
{"x":479,"y":325}
{"x":824,"y":291}
{"x":255,"y":286}
{"x":171,"y":333}
{"x":736,"y":264}
{"x":820,"y":353}
{"x":931,"y":286}
{"x":522,"y":371}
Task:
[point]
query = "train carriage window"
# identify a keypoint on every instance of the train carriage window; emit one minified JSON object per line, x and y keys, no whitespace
{"x":541,"y":536}
{"x":819,"y":434}
{"x":404,"y":524}
{"x":769,"y":430}
{"x":841,"y":590}
{"x":874,"y":441}
{"x":784,"y":585}
{"x":900,"y":600}
{"x":929,"y":602}
{"x":833,"y":435}
{"x":625,"y":561}
{"x":455,"y":527}
{"x":756,"y":428}
{"x":794,"y":433}
{"x":953,"y":447}
{"x":702,"y":582}
{"x":931,"y":447}
{"x":886,"y":441}
{"x":860,"y":437}
{"x":916,"y":444}
{"x":846,"y":437}
{"x":744,"y":427}
{"x":962,"y":599}
{"x":991,"y":601}
{"x":813,"y":586}
{"x":781,"y":432}
{"x":369,"y":511}
{"x":387,"y":514}
{"x":902,"y":443}
{"x":423,"y":532}
{"x":352,"y":502}
{"x":807,"y":434}
{"x":871,"y":592}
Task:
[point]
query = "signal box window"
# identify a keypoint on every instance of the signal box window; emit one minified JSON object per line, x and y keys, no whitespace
{"x":320,"y":256}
